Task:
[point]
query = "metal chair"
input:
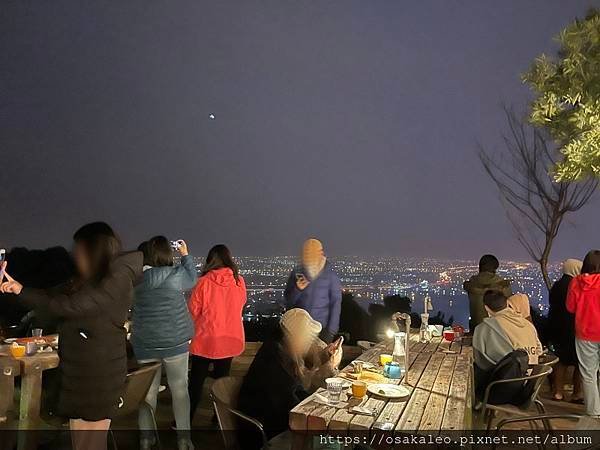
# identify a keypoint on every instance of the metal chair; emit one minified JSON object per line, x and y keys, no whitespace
{"x":532,"y":382}
{"x":137,"y":385}
{"x":544,"y":418}
{"x":224,"y":394}
{"x":548,"y":359}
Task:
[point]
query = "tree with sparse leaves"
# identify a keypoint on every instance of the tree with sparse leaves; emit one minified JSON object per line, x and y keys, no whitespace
{"x":567,"y":102}
{"x":535,"y":203}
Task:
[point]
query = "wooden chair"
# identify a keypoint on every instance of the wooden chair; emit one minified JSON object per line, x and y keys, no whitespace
{"x":532,"y":382}
{"x":137,"y":386}
{"x":224,"y":395}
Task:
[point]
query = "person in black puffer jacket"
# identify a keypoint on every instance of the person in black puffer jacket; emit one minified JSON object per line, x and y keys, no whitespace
{"x":162,"y":329}
{"x":91,"y":314}
{"x":561,"y":334}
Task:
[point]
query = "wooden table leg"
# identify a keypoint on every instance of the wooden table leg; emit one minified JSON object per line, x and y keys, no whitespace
{"x":31,"y":392}
{"x":8,"y":371}
{"x":29,"y":409}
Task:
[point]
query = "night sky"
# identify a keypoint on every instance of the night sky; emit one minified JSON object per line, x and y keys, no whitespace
{"x":353,"y":121}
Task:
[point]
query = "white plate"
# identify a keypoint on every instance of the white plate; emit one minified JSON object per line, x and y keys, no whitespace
{"x":10,"y":340}
{"x":345,"y":383}
{"x":388,"y":390}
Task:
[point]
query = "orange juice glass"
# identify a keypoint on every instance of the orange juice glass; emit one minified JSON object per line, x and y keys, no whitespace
{"x":359,"y":389}
{"x":18,"y":351}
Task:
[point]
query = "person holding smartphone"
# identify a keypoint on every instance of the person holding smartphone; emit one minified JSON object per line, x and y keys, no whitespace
{"x":289,"y":366}
{"x":316,"y":288}
{"x":92,"y":312}
{"x":162,"y":330}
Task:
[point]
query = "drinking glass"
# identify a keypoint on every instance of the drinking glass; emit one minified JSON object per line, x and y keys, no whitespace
{"x":358,"y":367}
{"x":359,"y":389}
{"x":37,"y":332}
{"x":334,"y":390}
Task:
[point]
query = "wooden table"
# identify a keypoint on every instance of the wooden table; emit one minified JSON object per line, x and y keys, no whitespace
{"x":31,"y":369}
{"x":439,"y":379}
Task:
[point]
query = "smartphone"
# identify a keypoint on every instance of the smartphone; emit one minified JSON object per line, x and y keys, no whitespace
{"x":2,"y":260}
{"x":175,"y":245}
{"x":300,"y":276}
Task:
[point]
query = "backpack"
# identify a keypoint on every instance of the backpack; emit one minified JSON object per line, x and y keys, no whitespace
{"x":513,"y":365}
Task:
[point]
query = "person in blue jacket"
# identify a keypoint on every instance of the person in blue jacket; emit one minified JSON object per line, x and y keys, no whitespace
{"x":316,"y":288}
{"x":162,"y":328}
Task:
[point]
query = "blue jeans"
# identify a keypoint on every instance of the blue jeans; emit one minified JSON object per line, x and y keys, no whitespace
{"x":176,"y":368}
{"x":588,"y":354}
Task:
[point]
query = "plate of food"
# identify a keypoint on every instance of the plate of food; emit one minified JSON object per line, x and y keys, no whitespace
{"x":372,"y":377}
{"x":388,"y":390}
{"x":51,"y":339}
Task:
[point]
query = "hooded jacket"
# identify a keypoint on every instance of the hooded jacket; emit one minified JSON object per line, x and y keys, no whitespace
{"x":216,"y":307}
{"x":162,"y":325}
{"x":476,"y":287}
{"x":499,"y":335}
{"x":93,"y":358}
{"x":583,"y":300}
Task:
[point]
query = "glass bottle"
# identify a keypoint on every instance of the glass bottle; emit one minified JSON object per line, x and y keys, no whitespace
{"x":399,"y":353}
{"x":424,"y":335}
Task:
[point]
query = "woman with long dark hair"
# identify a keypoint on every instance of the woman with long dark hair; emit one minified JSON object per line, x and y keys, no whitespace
{"x":583,"y":300}
{"x":91,"y":313}
{"x":561,"y":333}
{"x":162,"y":329}
{"x":216,"y":306}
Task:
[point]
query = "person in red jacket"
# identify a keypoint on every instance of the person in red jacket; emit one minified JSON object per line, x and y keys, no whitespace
{"x":216,"y":306}
{"x":583,"y":300}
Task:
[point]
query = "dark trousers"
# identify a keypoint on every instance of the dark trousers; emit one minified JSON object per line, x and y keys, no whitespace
{"x":200,"y":370}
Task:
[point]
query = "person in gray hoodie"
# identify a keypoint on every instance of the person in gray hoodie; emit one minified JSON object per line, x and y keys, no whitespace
{"x":162,"y":329}
{"x":502,"y":332}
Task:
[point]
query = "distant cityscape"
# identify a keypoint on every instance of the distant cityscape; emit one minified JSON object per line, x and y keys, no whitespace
{"x":371,"y":279}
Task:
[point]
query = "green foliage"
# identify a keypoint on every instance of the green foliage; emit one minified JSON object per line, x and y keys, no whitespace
{"x":567,"y":102}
